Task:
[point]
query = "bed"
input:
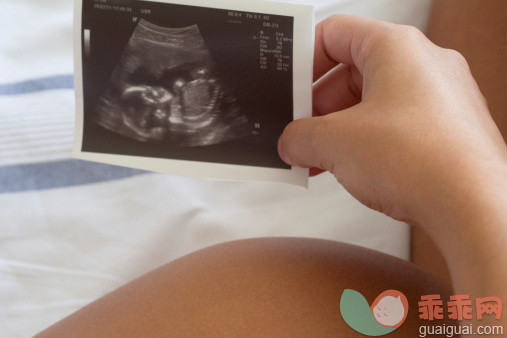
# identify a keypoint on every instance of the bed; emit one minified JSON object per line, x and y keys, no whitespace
{"x":72,"y":231}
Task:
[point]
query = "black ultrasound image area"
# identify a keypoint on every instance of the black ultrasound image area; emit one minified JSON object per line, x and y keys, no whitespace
{"x":167,"y":89}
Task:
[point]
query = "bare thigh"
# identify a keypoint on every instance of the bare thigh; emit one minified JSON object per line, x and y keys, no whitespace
{"x":288,"y":287}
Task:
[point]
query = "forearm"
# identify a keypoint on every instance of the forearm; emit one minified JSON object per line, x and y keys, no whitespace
{"x":469,"y":225}
{"x":476,"y":29}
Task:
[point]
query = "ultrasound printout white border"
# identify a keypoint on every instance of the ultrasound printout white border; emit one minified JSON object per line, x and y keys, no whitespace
{"x":303,"y":42}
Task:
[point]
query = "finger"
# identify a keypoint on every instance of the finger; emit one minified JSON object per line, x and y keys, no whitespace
{"x":342,"y":39}
{"x":339,"y":89}
{"x":316,"y":142}
{"x":322,"y":62}
{"x":310,"y":142}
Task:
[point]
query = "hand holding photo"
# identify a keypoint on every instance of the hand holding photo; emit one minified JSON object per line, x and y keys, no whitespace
{"x":198,"y":88}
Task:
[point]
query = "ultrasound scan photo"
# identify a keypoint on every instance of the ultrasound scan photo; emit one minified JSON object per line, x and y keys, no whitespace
{"x":190,"y":81}
{"x":167,"y":88}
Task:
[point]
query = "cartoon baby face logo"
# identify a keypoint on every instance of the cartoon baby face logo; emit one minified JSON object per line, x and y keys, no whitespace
{"x":390,"y":308}
{"x":387,"y":312}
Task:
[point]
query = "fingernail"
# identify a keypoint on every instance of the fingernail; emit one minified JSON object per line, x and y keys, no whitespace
{"x":281,"y":153}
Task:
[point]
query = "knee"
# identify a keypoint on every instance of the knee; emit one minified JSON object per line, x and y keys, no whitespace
{"x":256,"y":287}
{"x":281,"y":285}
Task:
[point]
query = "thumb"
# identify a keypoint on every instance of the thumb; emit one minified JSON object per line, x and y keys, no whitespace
{"x":310,"y":142}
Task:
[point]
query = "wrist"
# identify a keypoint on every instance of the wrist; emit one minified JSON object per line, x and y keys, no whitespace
{"x":469,"y":225}
{"x":469,"y":201}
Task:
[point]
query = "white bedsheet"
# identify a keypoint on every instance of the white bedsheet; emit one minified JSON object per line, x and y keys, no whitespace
{"x":71,"y":231}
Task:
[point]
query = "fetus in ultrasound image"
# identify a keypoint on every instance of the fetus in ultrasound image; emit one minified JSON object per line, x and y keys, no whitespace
{"x":167,"y":88}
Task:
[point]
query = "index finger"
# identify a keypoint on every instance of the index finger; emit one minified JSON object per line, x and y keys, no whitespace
{"x":341,"y":39}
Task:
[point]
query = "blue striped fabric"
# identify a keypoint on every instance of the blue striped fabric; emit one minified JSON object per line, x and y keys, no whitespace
{"x":37,"y":85}
{"x":50,"y":175}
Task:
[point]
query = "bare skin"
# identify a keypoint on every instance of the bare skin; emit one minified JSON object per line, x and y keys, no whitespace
{"x":401,"y":124}
{"x":476,"y":29}
{"x":420,"y":110}
{"x":278,"y":287}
